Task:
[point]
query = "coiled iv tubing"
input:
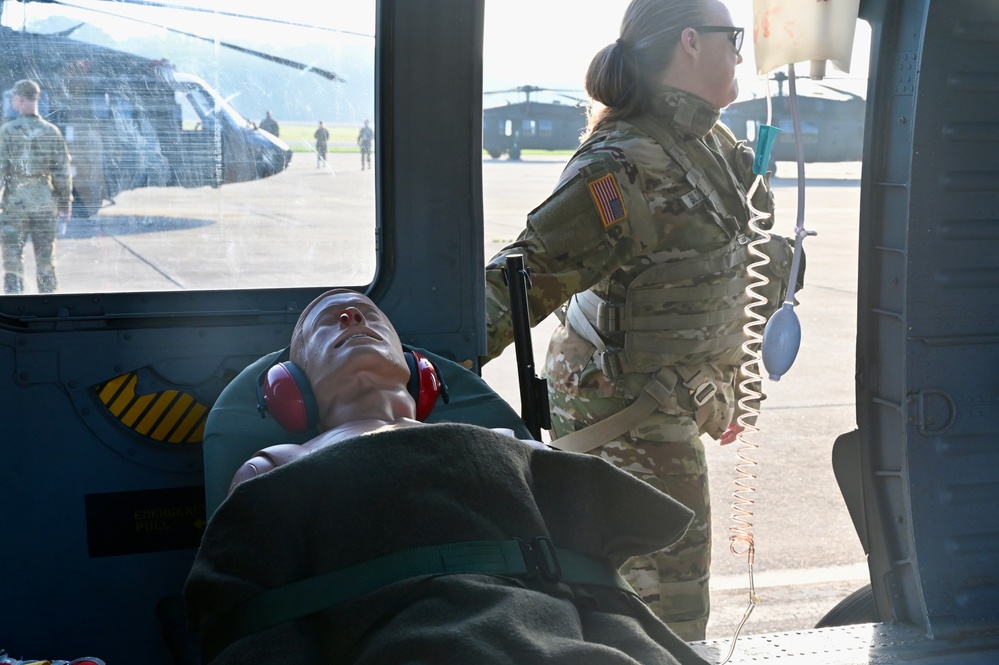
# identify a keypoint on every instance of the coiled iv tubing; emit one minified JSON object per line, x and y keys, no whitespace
{"x":782,"y":351}
{"x":750,"y":387}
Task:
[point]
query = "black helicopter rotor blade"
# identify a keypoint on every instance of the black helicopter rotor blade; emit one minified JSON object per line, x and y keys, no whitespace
{"x":166,"y":5}
{"x":267,"y":56}
{"x":331,"y":76}
{"x":575,"y":99}
{"x":528,"y":89}
{"x":68,"y":31}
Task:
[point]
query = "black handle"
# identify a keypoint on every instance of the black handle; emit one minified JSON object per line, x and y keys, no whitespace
{"x":533,"y":390}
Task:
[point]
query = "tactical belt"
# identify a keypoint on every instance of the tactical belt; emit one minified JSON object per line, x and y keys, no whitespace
{"x":656,"y":393}
{"x":659,"y":392}
{"x":590,"y":316}
{"x":696,"y":379}
{"x":514,"y":558}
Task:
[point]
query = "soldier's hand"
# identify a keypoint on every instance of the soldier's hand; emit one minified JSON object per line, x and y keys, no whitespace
{"x":731,"y":434}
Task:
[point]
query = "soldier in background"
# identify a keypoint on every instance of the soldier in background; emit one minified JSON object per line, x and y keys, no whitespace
{"x":364,"y":139}
{"x":37,"y":189}
{"x":642,"y":252}
{"x":322,"y":137}
{"x":269,"y":125}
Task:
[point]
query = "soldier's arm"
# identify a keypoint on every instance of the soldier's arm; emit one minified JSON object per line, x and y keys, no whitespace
{"x":4,"y":159}
{"x":62,"y":178}
{"x":551,"y":285}
{"x":572,"y":241}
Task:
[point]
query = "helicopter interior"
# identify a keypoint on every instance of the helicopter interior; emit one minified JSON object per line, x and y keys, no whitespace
{"x":168,"y":294}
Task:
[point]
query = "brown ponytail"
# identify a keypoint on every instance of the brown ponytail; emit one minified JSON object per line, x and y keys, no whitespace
{"x":624,"y":76}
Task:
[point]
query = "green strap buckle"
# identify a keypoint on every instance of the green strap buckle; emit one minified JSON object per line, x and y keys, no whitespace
{"x":541,"y":559}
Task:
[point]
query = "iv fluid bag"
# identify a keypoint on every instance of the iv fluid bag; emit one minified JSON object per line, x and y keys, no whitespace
{"x":789,"y":31}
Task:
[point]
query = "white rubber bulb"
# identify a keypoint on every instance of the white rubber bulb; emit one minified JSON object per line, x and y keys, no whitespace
{"x":781,"y":339}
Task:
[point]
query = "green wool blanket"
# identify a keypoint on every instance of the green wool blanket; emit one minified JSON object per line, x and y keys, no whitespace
{"x":432,"y":485}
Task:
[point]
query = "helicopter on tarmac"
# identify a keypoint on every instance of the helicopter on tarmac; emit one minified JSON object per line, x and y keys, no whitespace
{"x":123,"y":117}
{"x":532,"y":125}
{"x":832,"y":124}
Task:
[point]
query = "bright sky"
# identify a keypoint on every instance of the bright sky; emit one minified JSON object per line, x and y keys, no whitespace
{"x":350,"y":16}
{"x":556,"y":41}
{"x":542,"y":43}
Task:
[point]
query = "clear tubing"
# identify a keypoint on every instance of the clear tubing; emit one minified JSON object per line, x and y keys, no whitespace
{"x":750,"y":386}
{"x":800,"y":233}
{"x":741,"y":536}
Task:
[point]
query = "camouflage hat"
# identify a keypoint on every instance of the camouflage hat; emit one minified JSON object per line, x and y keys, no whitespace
{"x":27,"y":89}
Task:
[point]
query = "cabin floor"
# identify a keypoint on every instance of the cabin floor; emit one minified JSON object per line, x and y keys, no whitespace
{"x":861,"y":644}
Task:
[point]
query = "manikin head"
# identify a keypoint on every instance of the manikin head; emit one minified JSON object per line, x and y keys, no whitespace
{"x":353,"y":358}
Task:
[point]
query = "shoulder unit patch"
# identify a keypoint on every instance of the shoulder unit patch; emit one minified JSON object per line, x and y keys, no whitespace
{"x":607,"y":195}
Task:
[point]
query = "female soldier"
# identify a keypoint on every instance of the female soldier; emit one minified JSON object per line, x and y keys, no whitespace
{"x":643,"y":249}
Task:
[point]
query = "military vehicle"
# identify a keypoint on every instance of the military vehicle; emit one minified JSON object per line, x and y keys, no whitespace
{"x":532,"y":125}
{"x":123,"y":118}
{"x":107,"y":390}
{"x":832,"y":125}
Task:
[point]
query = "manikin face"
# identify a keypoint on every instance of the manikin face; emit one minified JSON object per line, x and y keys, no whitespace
{"x":717,"y":59}
{"x":347,"y":343}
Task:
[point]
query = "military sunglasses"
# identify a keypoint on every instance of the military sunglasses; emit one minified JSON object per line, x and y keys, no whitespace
{"x":735,"y":37}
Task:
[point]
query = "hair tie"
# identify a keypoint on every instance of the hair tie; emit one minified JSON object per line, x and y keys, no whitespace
{"x":627,"y":50}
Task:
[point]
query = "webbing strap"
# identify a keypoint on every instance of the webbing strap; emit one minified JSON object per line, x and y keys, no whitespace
{"x":730,"y":255}
{"x":581,"y":323}
{"x":656,"y":295}
{"x":660,"y":322}
{"x":657,"y":393}
{"x":670,"y":143}
{"x":515,"y":558}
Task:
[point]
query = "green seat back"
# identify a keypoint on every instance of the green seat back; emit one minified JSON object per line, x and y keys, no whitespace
{"x":234,"y":430}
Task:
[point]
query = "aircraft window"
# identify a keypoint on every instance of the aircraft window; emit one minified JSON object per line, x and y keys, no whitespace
{"x":102,"y":111}
{"x":200,"y":103}
{"x":235,"y":205}
{"x":191,"y":114}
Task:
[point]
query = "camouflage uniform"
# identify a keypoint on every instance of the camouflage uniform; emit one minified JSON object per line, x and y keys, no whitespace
{"x":364,"y":139}
{"x":36,"y":181}
{"x":652,"y":235}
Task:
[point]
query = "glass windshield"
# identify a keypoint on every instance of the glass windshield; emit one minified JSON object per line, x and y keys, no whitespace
{"x":210,"y":149}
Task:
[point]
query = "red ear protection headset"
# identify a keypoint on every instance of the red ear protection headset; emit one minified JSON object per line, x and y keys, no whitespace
{"x":284,"y":392}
